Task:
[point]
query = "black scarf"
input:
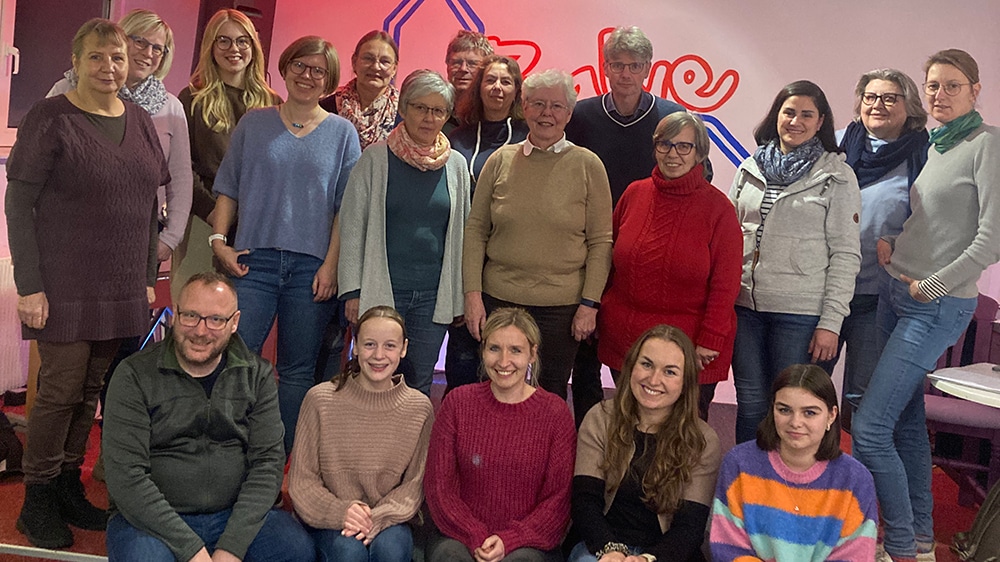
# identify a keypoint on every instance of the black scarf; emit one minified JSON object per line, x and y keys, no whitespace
{"x":870,"y":167}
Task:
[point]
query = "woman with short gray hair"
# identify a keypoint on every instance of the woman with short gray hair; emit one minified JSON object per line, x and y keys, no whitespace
{"x":402,"y":227}
{"x":677,"y":257}
{"x":886,"y":146}
{"x":539,"y":234}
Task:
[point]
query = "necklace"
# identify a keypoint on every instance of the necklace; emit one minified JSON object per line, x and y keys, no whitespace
{"x":293,"y":123}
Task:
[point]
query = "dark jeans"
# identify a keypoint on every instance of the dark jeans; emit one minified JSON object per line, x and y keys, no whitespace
{"x":461,"y":364}
{"x":558,"y":349}
{"x":587,"y":388}
{"x":281,"y":539}
{"x":859,"y":333}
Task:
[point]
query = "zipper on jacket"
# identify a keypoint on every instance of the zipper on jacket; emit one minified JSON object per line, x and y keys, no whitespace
{"x":753,"y":281}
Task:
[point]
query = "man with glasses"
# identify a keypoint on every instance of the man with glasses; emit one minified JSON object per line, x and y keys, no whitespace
{"x":618,"y":127}
{"x":466,"y":53}
{"x":193,"y":443}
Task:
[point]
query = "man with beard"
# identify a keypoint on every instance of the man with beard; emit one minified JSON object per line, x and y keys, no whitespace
{"x":193,"y":443}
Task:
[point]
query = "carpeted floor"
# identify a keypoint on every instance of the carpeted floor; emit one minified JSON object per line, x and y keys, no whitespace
{"x":949,"y":517}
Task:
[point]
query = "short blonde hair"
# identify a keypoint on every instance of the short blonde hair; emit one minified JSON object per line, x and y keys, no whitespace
{"x":106,"y":32}
{"x":141,"y":22}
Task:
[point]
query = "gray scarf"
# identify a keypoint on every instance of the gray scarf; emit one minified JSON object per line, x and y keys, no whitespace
{"x":786,"y":169}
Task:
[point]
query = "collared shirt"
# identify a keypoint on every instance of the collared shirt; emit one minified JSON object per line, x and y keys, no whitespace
{"x":645,"y":103}
{"x":559,"y":146}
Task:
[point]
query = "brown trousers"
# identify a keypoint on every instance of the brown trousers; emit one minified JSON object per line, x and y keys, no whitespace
{"x":69,"y":383}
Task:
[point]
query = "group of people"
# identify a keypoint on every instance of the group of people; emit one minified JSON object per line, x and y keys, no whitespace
{"x":535,"y":232}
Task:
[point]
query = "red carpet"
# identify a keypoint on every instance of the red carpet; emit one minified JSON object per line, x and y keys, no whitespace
{"x":949,"y":517}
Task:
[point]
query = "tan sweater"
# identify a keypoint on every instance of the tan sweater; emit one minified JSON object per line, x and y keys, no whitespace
{"x":355,"y":446}
{"x":539,"y":233}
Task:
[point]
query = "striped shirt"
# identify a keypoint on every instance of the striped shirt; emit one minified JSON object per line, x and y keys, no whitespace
{"x":765,"y":511}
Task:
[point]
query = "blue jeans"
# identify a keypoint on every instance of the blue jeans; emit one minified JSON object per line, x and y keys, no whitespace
{"x":890,"y":429}
{"x":581,"y":554}
{"x":281,"y":539}
{"x":417,"y":310}
{"x":279,"y":285}
{"x":392,"y":544}
{"x":766,"y":343}
{"x":859,"y":333}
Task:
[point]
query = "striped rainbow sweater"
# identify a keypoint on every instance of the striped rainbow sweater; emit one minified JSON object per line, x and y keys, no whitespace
{"x":754,"y":515}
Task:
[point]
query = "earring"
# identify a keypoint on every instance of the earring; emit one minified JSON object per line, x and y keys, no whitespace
{"x":829,"y":425}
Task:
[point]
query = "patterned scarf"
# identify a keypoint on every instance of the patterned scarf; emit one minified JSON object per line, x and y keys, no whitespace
{"x":423,"y":158}
{"x":786,"y":169}
{"x":945,"y":137}
{"x":150,"y":94}
{"x":376,"y":122}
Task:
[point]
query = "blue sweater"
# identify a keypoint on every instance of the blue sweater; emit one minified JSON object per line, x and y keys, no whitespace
{"x":625,"y":150}
{"x":288,"y":189}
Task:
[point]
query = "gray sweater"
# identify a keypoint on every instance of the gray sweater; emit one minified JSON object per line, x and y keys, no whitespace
{"x":364,"y":264}
{"x":810,"y":250}
{"x":954,"y":231}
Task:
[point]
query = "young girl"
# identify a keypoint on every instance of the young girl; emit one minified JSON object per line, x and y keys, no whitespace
{"x":792,"y":495}
{"x":360,"y":449}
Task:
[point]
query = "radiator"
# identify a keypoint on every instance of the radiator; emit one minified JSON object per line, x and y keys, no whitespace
{"x":13,"y":352}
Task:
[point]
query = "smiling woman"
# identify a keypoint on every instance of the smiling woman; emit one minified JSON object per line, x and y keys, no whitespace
{"x":799,"y":207}
{"x":792,"y":495}
{"x":285,"y":264}
{"x":645,"y":463}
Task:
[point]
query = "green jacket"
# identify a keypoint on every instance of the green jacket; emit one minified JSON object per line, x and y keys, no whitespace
{"x":169,"y":449}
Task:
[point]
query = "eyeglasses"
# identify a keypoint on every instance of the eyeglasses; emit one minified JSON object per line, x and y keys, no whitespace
{"x":299,"y":68}
{"x":243,"y":42}
{"x":422,"y":110}
{"x":683,"y":148}
{"x":192,"y":319}
{"x":539,"y":106}
{"x":888,"y":100}
{"x":473,"y":64}
{"x":142,"y":44}
{"x":951,"y":88}
{"x":619,"y":67}
{"x":369,"y":60}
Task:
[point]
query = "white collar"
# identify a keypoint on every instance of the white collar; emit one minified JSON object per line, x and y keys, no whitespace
{"x":559,"y":146}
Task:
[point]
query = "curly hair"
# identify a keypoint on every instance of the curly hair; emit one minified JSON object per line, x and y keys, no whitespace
{"x":679,"y":442}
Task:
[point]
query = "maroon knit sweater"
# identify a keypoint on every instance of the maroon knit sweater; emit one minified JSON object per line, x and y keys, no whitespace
{"x":92,"y":217}
{"x":678,"y":258}
{"x":501,"y":469}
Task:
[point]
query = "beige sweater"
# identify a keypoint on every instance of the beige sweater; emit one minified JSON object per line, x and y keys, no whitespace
{"x":539,"y":233}
{"x":355,"y":446}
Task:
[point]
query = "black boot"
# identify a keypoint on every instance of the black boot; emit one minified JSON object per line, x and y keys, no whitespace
{"x":74,"y":508}
{"x":40,"y":520}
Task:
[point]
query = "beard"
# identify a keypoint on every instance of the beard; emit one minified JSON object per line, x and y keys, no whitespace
{"x":208,"y":352}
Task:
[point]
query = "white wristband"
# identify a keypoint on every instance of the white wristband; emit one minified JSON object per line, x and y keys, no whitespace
{"x":215,"y":237}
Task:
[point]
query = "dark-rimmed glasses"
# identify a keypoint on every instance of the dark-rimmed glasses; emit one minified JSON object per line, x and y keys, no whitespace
{"x":683,"y":148}
{"x":142,"y":44}
{"x":299,"y":67}
{"x":224,"y":43}
{"x":191,"y":319}
{"x":888,"y":100}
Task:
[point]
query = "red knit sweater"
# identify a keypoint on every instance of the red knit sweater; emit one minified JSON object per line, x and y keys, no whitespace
{"x":501,"y":469}
{"x":678,"y":258}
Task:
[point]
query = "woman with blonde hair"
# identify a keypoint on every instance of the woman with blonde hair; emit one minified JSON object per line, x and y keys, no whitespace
{"x":228,"y":81}
{"x":645,"y":463}
{"x":500,"y":463}
{"x":150,"y":54}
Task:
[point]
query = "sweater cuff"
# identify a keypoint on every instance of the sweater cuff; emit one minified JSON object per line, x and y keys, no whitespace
{"x":933,"y":288}
{"x":711,"y":340}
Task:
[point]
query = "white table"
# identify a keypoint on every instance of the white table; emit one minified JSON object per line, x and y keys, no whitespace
{"x":978,"y":383}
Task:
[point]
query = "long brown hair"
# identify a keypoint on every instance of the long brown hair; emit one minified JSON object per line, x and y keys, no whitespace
{"x":353,"y":368}
{"x":679,"y":442}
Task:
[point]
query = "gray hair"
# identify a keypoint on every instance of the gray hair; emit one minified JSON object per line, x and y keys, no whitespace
{"x":628,"y":40}
{"x":467,"y":40}
{"x":672,"y":125}
{"x":425,"y":82}
{"x":916,"y":115}
{"x":551,"y":78}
